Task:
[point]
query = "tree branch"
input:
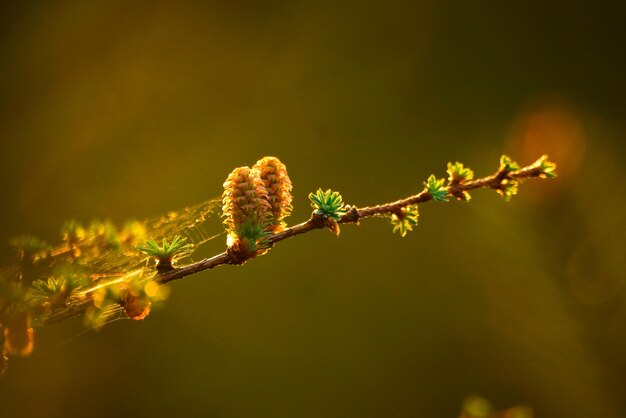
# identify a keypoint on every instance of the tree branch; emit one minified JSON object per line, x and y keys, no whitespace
{"x":354,"y":215}
{"x":255,"y":202}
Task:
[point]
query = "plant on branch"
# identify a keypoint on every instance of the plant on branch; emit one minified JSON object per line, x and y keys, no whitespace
{"x":166,"y":253}
{"x":100,"y":271}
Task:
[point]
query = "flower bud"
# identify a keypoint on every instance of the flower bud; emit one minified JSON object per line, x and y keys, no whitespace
{"x":137,"y":307}
{"x":246,"y":210}
{"x":274,"y":175}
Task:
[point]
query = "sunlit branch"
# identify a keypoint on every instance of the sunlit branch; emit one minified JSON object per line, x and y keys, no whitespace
{"x":354,"y":215}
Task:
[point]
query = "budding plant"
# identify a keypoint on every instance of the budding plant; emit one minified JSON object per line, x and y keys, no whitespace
{"x":101,"y":272}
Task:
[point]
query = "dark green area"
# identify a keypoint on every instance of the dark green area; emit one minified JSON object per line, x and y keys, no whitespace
{"x":118,"y":110}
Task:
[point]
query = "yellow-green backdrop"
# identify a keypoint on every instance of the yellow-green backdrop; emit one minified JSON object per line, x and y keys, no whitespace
{"x":117,"y":110}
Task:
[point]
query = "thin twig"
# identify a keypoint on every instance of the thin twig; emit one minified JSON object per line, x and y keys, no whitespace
{"x":354,"y":215}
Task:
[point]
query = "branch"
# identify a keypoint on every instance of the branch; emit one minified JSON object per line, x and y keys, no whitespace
{"x":256,"y":201}
{"x":508,"y":173}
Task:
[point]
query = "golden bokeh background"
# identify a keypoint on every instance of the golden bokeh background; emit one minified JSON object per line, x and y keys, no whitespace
{"x":117,"y":110}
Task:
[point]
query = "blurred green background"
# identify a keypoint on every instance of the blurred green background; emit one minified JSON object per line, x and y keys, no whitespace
{"x":130,"y":109}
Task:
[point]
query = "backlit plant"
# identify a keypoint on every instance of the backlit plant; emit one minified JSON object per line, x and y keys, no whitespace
{"x":273,"y":174}
{"x":458,"y":175}
{"x":436,"y":188}
{"x":247,"y":212}
{"x":327,"y":204}
{"x":405,"y":219}
{"x":166,"y":253}
{"x":98,"y":271}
